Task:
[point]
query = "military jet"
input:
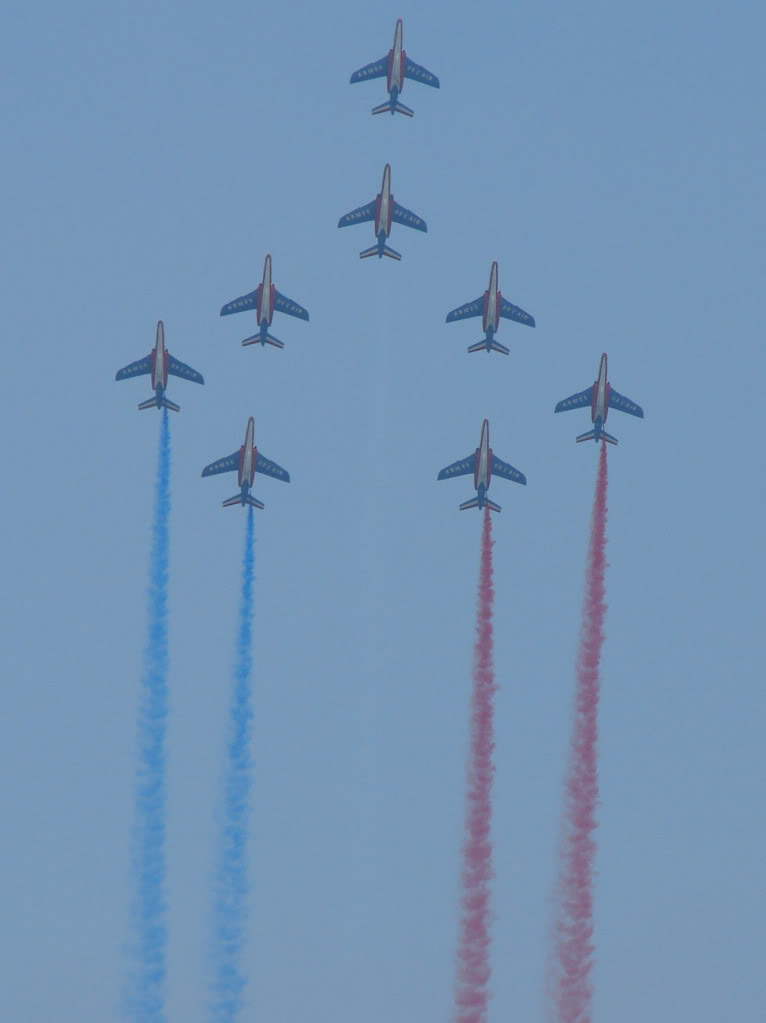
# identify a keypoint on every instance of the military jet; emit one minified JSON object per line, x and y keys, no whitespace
{"x":601,"y":397}
{"x":265,"y":300}
{"x":490,"y":306}
{"x":383,"y":210}
{"x":483,"y":464}
{"x":395,"y":66}
{"x":247,"y":461}
{"x":159,"y":362}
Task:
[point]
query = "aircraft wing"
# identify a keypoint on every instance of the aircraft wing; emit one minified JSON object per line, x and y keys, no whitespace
{"x":408,"y":218}
{"x":500,"y":468}
{"x":419,"y":74}
{"x":377,"y":69}
{"x":512,"y":312}
{"x":269,"y":468}
{"x":228,"y":464}
{"x":624,"y":404}
{"x":135,"y":369}
{"x":180,"y":369}
{"x":359,"y":215}
{"x":576,"y":401}
{"x":475,"y":308}
{"x":461,"y":468}
{"x":243,"y":303}
{"x":286,"y":305}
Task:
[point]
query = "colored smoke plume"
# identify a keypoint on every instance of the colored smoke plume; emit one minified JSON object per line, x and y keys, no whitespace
{"x":231,"y":884}
{"x":574,"y":924}
{"x":145,"y":990}
{"x":473,"y":959}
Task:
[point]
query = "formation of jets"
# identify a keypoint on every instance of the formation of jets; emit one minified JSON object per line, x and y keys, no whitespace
{"x":382,"y":211}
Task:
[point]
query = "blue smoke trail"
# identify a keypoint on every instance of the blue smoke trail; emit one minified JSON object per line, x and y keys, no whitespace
{"x":145,"y":994}
{"x":230,"y":913}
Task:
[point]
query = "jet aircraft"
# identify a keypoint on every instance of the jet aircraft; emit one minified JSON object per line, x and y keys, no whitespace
{"x":265,"y":300}
{"x":395,"y":66}
{"x":490,"y":306}
{"x":159,"y":362}
{"x":601,"y":397}
{"x":383,"y":210}
{"x":482,"y":463}
{"x":247,"y":461}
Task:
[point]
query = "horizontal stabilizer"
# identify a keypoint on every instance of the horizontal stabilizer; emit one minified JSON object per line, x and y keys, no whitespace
{"x":268,"y":339}
{"x":591,"y":435}
{"x":387,"y":108}
{"x":375,"y":251}
{"x":495,"y":347}
{"x":164,"y":403}
{"x":248,"y":499}
{"x":474,"y":503}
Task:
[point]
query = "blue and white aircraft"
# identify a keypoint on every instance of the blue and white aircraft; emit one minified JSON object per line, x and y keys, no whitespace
{"x":247,"y":461}
{"x":159,"y":362}
{"x":383,"y":210}
{"x":482,"y":463}
{"x":601,"y":397}
{"x":395,"y":66}
{"x":490,"y":306}
{"x":265,"y":300}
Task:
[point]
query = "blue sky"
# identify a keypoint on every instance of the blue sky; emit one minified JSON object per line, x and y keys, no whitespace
{"x":610,"y":158}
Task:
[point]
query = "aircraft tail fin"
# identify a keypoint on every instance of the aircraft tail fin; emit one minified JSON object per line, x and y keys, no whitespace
{"x":474,"y":503}
{"x":393,"y":108}
{"x":591,"y":435}
{"x":267,"y":339}
{"x":495,"y":346}
{"x":375,"y":251}
{"x":164,"y":403}
{"x":237,"y":499}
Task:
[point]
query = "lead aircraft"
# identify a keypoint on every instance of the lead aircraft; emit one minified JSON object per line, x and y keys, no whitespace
{"x":383,"y":210}
{"x":601,"y":397}
{"x":265,"y":300}
{"x":395,"y":66}
{"x":490,"y":306}
{"x":482,"y":463}
{"x":159,"y":362}
{"x":247,"y":461}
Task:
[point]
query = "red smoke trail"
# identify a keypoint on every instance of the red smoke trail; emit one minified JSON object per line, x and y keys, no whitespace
{"x":473,"y":968}
{"x":574,"y":926}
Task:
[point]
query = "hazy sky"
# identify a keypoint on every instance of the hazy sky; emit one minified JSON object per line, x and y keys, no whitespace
{"x":610,"y":157}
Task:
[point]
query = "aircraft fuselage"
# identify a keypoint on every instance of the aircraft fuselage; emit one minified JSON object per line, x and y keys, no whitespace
{"x":160,"y":360}
{"x":482,"y":473}
{"x":384,"y":205}
{"x":600,"y":406}
{"x":247,"y":458}
{"x":396,"y":62}
{"x":492,"y":297}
